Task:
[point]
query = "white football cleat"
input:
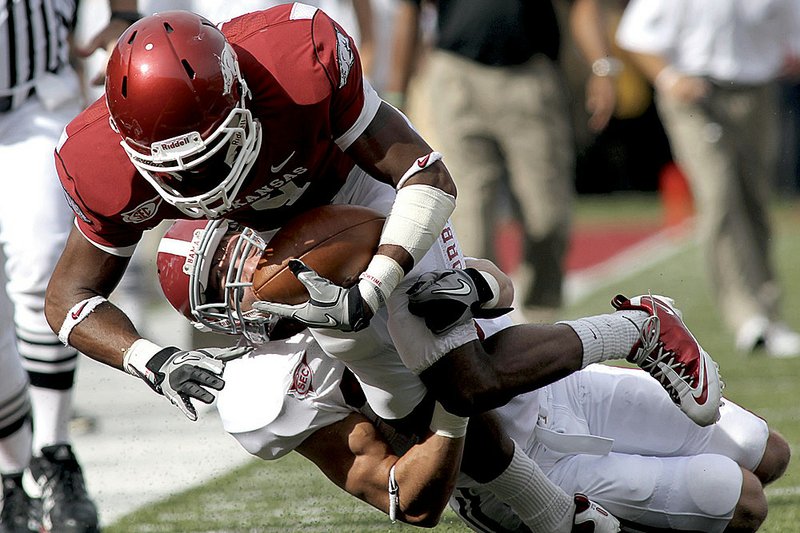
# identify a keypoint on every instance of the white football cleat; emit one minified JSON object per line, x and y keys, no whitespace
{"x":670,"y":353}
{"x":591,"y":518}
{"x":775,"y":338}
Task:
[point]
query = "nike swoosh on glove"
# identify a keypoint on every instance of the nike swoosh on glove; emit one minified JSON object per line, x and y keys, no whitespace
{"x":183,"y":375}
{"x":447,"y":298}
{"x":328,"y":306}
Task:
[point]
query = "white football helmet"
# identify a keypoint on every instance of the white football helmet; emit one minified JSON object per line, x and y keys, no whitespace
{"x":188,"y":261}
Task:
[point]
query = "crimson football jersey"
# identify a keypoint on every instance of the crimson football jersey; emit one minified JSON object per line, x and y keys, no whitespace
{"x":310,"y":97}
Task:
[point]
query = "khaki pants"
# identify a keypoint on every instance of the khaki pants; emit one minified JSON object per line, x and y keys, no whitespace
{"x":727,"y":146}
{"x":495,"y":123}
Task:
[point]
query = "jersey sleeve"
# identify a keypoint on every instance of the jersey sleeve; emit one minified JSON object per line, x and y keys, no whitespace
{"x":354,"y":102}
{"x":279,"y":395}
{"x":96,"y":189}
{"x":115,"y":239}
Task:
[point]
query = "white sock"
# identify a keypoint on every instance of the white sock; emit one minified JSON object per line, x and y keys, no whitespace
{"x":51,"y":414}
{"x":541,"y":504}
{"x":609,"y":336}
{"x":15,"y":450}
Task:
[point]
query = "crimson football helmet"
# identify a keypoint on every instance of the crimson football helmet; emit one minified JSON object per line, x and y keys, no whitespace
{"x":177,"y":98}
{"x":186,"y":256}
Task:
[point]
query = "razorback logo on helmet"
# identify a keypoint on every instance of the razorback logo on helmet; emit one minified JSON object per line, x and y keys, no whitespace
{"x":143,"y":212}
{"x":302,"y":376}
{"x":75,"y":207}
{"x":227,"y":64}
{"x":346,"y":57}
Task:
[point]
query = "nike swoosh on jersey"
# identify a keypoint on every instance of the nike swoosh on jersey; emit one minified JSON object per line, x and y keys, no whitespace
{"x":277,"y":168}
{"x":463,"y":290}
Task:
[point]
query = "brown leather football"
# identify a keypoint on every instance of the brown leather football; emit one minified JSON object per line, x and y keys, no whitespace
{"x":338,"y":241}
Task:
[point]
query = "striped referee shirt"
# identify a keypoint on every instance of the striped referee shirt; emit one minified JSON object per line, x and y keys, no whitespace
{"x":33,"y":41}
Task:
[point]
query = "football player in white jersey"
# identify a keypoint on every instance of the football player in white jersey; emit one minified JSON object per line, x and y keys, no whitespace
{"x":601,"y":430}
{"x":315,"y":405}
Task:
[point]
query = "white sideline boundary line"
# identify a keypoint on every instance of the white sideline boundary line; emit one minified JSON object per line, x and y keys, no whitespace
{"x":659,"y":247}
{"x":783,"y":491}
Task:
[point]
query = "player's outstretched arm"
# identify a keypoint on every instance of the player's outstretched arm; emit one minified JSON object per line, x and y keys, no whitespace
{"x":77,"y":309}
{"x":75,"y":303}
{"x":354,"y":455}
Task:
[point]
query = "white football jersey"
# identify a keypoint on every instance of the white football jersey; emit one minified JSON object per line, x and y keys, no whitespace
{"x":280,"y":394}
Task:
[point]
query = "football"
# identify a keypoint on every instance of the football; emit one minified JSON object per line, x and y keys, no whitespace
{"x":337,"y":241}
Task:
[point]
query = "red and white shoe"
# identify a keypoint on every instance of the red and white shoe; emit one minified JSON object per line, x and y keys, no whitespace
{"x":670,"y":353}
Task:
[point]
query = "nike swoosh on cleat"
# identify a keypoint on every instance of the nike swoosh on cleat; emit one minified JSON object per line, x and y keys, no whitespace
{"x":700,"y":391}
{"x":277,"y":168}
{"x":463,"y":290}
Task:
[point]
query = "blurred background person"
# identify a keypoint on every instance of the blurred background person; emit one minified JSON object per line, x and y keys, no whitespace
{"x":499,"y":109}
{"x":715,"y":65}
{"x":39,"y":93}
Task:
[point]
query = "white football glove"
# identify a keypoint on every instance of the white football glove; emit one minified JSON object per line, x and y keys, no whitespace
{"x":328,"y":306}
{"x":181,"y":375}
{"x":591,"y":518}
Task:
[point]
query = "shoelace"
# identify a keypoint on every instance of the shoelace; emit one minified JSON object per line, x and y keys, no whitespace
{"x":656,"y":357}
{"x":66,"y":476}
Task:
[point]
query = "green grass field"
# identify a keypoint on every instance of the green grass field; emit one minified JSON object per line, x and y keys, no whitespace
{"x":291,"y":495}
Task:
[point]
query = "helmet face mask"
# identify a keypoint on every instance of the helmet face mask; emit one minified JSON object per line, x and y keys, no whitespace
{"x":177,"y":98}
{"x":234,"y":146}
{"x":210,"y":279}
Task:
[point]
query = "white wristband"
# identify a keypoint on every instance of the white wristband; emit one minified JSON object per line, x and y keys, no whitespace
{"x":394,"y":495}
{"x":495,"y":286}
{"x":136,"y":357}
{"x":418,"y":166}
{"x":447,"y":424}
{"x":378,"y":281}
{"x":76,"y":315}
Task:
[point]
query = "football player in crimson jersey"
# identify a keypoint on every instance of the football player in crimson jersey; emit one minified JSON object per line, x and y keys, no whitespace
{"x":261,"y":120}
{"x":686,"y":477}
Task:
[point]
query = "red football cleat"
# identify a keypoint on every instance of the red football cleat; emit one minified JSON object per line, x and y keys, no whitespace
{"x":671,"y":354}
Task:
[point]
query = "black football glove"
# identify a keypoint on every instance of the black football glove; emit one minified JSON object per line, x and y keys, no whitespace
{"x":181,"y":375}
{"x":447,"y":298}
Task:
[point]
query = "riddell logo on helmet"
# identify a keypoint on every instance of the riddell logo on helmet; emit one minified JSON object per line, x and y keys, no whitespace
{"x":175,"y":144}
{"x":182,"y":144}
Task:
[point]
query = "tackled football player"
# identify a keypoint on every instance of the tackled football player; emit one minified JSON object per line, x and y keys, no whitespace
{"x":584,"y":430}
{"x":288,"y":395}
